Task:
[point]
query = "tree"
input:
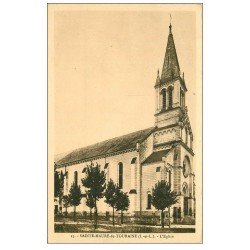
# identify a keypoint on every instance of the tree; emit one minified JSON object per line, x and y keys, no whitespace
{"x":90,"y":203}
{"x":122,"y":203}
{"x":75,"y":196}
{"x":58,"y":186}
{"x":111,"y":196}
{"x":162,"y":198}
{"x":66,"y":203}
{"x":95,"y":183}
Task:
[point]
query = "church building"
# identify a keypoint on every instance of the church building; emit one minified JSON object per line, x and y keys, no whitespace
{"x":137,"y":161}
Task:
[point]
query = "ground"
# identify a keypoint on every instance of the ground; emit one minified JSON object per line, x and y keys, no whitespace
{"x":66,"y":225}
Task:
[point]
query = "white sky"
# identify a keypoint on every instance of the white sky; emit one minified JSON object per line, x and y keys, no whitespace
{"x":105,"y":70}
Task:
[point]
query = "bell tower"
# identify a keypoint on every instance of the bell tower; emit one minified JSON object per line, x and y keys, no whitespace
{"x":171,"y":119}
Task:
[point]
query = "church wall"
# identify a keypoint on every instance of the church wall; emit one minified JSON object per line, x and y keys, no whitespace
{"x":149,"y":178}
{"x":168,"y":118}
{"x":184,"y":153}
{"x":146,"y":147}
{"x":112,"y":173}
{"x":186,"y":138}
{"x":188,"y":180}
{"x":176,"y":94}
{"x":128,"y":168}
{"x":166,"y":135}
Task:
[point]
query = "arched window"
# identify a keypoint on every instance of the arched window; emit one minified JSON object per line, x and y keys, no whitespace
{"x":133,"y":160}
{"x":185,"y":189}
{"x":149,"y":201}
{"x":170,"y":97}
{"x":164,"y":98}
{"x":120,"y":175}
{"x":186,"y":166}
{"x":76,"y":177}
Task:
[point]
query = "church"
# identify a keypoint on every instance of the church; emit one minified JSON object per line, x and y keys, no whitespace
{"x":137,"y":161}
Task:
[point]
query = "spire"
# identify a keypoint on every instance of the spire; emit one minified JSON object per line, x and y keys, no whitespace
{"x":170,"y":25}
{"x":171,"y":68}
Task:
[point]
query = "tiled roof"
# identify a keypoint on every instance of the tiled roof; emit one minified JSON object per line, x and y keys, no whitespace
{"x":110,"y":146}
{"x":156,"y":156}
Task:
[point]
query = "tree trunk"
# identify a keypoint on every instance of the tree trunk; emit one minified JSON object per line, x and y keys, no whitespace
{"x":95,"y":219}
{"x":90,"y":213}
{"x":60,"y":205}
{"x":113,"y":216}
{"x":74,"y":213}
{"x":162,"y":218}
{"x":121,"y":217}
{"x":66,"y":212}
{"x":169,"y":222}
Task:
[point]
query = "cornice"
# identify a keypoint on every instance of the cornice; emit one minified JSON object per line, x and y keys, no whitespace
{"x":166,"y":127}
{"x":176,"y":142}
{"x":167,"y":110}
{"x":170,"y":81}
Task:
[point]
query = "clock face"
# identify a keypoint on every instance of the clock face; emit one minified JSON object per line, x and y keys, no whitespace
{"x":186,"y":167}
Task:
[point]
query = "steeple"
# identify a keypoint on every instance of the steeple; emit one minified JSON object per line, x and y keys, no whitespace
{"x":171,"y":68}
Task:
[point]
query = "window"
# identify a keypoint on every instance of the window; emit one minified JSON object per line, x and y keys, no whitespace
{"x":149,"y":201}
{"x":158,"y":169}
{"x":76,"y":177}
{"x":120,"y":175}
{"x":185,"y":189}
{"x":133,"y":160}
{"x":170,"y":97}
{"x":186,"y":167}
{"x":164,"y":99}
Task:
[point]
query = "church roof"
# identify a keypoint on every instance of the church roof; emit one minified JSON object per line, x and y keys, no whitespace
{"x":156,"y":156}
{"x":171,"y":68}
{"x":115,"y":145}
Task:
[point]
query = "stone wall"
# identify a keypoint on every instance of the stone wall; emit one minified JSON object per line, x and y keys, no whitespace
{"x":129,"y":182}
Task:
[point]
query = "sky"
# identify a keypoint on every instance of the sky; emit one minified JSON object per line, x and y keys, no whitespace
{"x":105,"y":66}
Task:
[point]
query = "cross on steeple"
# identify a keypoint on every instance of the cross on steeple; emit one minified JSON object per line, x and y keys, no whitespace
{"x":170,"y":25}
